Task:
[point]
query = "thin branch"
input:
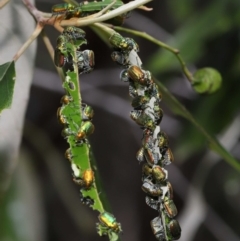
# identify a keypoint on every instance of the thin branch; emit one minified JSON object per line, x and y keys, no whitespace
{"x":3,"y":3}
{"x":50,"y":49}
{"x":33,"y":10}
{"x":46,"y":15}
{"x":34,"y":35}
{"x":105,"y":28}
{"x":43,"y":18}
{"x":176,"y":52}
{"x":98,"y":14}
{"x":58,"y":21}
{"x":145,"y":8}
{"x":177,"y":108}
{"x":39,"y":27}
{"x":116,"y":12}
{"x":104,"y":10}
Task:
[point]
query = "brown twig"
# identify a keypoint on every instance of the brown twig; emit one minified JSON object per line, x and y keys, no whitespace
{"x":145,"y":8}
{"x":58,"y":21}
{"x":50,"y":49}
{"x":34,"y":35}
{"x":41,"y":21}
{"x":43,"y":18}
{"x":33,"y":11}
{"x":3,"y":3}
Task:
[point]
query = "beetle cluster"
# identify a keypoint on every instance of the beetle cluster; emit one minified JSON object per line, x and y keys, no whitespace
{"x":85,"y":62}
{"x":154,"y":152}
{"x":77,"y":132}
{"x":84,"y":179}
{"x":62,"y":57}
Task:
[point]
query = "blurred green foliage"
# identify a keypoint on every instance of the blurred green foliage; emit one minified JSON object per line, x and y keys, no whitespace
{"x":206,"y":34}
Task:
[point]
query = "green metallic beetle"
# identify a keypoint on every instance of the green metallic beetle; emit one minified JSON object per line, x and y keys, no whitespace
{"x":140,"y":155}
{"x":151,"y":158}
{"x":140,"y":76}
{"x":86,"y":179}
{"x":62,"y":8}
{"x":142,"y":119}
{"x":66,"y":99}
{"x":170,"y":190}
{"x":158,"y":229}
{"x":62,"y":56}
{"x":167,"y":158}
{"x":68,"y":154}
{"x":125,"y":44}
{"x":61,"y":118}
{"x":86,"y":129}
{"x":146,"y":170}
{"x":87,"y":112}
{"x":74,"y":33}
{"x":62,"y":41}
{"x":85,"y":61}
{"x":71,"y":35}
{"x":173,"y":229}
{"x":139,"y":102}
{"x":170,"y":207}
{"x":61,"y":51}
{"x":162,"y":142}
{"x":154,"y":92}
{"x":159,"y":174}
{"x":66,"y":132}
{"x":108,"y":221}
{"x":151,"y":189}
{"x":158,"y":112}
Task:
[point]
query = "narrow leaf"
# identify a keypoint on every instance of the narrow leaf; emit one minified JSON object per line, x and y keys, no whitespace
{"x":7,"y":81}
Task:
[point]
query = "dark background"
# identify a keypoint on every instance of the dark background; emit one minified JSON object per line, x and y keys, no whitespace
{"x":206,"y":188}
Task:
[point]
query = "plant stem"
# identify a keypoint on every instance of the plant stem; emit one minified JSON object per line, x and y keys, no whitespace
{"x":176,"y":52}
{"x":116,"y":12}
{"x":43,"y":18}
{"x":3,"y":3}
{"x":50,"y":49}
{"x":179,"y":109}
{"x":33,"y":10}
{"x":34,"y":35}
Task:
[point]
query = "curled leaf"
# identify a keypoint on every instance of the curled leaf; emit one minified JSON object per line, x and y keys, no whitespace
{"x":206,"y":80}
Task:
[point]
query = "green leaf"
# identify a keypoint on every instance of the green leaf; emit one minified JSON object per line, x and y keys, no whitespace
{"x":113,"y":236}
{"x":79,"y":149}
{"x":80,"y":153}
{"x":7,"y":82}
